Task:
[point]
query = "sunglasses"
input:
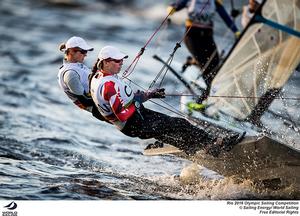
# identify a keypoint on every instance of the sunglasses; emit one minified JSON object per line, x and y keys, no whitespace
{"x":81,"y":51}
{"x":114,"y":60}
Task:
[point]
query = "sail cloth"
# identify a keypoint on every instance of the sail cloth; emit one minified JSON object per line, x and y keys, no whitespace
{"x":262,"y":61}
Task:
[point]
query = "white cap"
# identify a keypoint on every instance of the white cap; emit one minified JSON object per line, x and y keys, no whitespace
{"x":259,"y":1}
{"x":78,"y":42}
{"x":111,"y":52}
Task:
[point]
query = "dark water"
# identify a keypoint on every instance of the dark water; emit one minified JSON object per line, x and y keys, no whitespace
{"x":49,"y":149}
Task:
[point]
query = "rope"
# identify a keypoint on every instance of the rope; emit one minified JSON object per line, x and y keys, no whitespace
{"x":170,"y":59}
{"x":289,"y":117}
{"x":171,"y":109}
{"x":176,"y":111}
{"x":141,"y":52}
{"x":237,"y":97}
{"x":161,"y":38}
{"x":168,"y":62}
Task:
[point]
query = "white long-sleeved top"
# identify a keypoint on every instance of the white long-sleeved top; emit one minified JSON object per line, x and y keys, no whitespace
{"x":73,"y":79}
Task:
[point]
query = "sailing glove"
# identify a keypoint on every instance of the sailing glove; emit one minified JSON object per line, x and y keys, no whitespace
{"x":140,"y":96}
{"x":157,"y":93}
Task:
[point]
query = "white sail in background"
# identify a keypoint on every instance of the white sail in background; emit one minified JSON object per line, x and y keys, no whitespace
{"x":263,"y":60}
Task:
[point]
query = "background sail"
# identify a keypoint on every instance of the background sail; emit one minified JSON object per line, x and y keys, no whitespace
{"x":260,"y":63}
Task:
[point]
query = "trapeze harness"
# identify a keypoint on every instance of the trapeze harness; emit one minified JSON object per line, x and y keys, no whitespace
{"x":83,"y":72}
{"x":196,"y":16}
{"x":199,"y":18}
{"x":113,"y":97}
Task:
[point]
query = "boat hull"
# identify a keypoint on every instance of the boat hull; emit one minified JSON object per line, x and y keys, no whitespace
{"x":264,"y":161}
{"x":258,"y":159}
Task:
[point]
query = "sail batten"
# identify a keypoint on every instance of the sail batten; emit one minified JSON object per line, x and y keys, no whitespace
{"x":260,"y":63}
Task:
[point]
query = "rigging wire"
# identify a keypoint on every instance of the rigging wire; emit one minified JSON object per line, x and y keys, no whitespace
{"x":170,"y":59}
{"x":289,"y":117}
{"x":133,"y":64}
{"x":174,"y":110}
{"x":161,"y":38}
{"x":127,"y":72}
{"x":236,"y":96}
{"x":170,"y":108}
{"x":168,"y":62}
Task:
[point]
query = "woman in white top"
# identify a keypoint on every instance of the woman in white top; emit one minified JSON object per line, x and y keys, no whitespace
{"x":73,"y":75}
{"x":199,"y":38}
{"x":122,"y":107}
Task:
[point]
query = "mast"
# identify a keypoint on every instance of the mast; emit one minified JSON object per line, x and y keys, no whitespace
{"x":260,"y":63}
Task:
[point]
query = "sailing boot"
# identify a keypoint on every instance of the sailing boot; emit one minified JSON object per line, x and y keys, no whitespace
{"x":156,"y":144}
{"x":224,"y":144}
{"x":192,"y":106}
{"x":230,"y":141}
{"x":189,"y":148}
{"x":215,"y":148}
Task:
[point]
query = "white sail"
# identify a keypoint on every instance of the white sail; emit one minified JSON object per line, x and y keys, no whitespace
{"x":263,"y":60}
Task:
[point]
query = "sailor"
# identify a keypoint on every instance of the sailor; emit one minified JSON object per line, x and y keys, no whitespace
{"x":248,"y":11}
{"x":123,"y":107}
{"x":199,"y":40}
{"x":73,"y":75}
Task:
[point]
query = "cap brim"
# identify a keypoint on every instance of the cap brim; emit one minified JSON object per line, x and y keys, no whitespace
{"x":87,"y":48}
{"x":121,"y":56}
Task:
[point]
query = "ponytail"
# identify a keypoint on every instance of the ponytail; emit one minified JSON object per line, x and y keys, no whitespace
{"x":62,"y":46}
{"x":95,"y":68}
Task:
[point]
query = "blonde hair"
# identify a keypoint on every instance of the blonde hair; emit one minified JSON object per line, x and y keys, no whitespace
{"x":98,"y":65}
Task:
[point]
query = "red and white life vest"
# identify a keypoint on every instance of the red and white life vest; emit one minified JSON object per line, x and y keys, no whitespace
{"x":113,"y":97}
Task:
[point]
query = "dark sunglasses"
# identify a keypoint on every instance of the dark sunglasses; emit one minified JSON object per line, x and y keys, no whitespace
{"x":114,"y":60}
{"x":81,"y":51}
